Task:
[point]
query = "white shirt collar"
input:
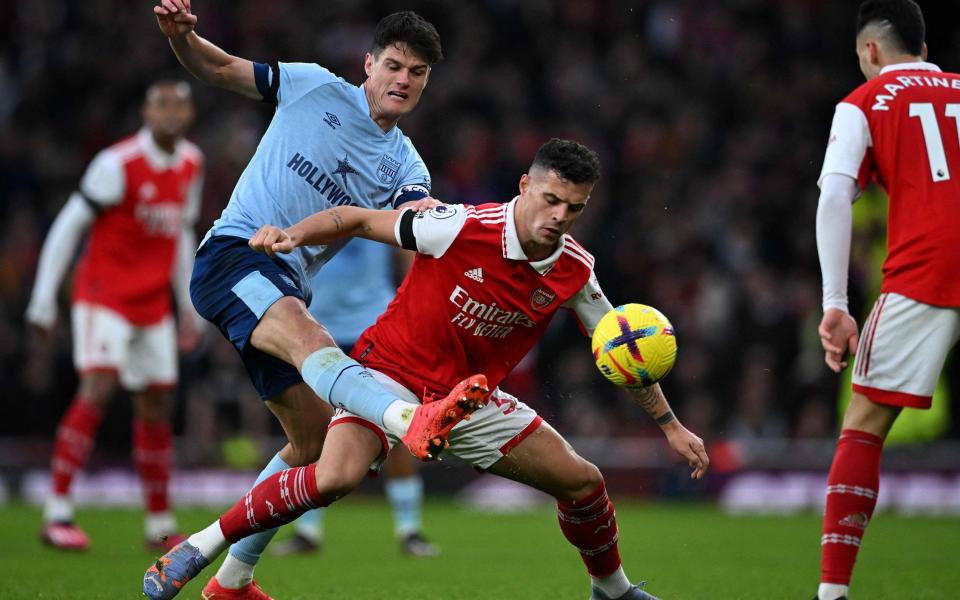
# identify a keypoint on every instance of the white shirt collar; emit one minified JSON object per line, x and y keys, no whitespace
{"x":514,"y":251}
{"x":157,"y":156}
{"x":910,"y":66}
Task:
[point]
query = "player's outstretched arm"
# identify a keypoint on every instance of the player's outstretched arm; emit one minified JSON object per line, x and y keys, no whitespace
{"x":328,"y":226}
{"x":204,"y":60}
{"x":682,"y":440}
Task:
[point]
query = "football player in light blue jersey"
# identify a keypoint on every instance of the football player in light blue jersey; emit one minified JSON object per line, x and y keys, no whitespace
{"x":329,"y":143}
{"x":356,"y":287}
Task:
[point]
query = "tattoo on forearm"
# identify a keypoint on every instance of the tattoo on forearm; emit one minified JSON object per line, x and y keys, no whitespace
{"x":646,"y":398}
{"x":665,"y":418}
{"x":337,"y":220}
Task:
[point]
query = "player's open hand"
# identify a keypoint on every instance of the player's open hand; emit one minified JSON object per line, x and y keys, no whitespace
{"x":688,"y":445}
{"x":174,"y":17}
{"x":270,"y":240}
{"x":838,"y":336}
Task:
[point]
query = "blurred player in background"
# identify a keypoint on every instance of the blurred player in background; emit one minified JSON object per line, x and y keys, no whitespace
{"x":356,"y":287}
{"x":140,"y":199}
{"x":330,"y":143}
{"x":494,"y":277}
{"x":900,"y":129}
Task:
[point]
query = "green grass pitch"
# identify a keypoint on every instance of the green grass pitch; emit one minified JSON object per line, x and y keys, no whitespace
{"x":683,"y":551}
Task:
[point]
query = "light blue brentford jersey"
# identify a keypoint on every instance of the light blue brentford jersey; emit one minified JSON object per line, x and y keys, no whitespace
{"x":353,"y":289}
{"x":321,"y":149}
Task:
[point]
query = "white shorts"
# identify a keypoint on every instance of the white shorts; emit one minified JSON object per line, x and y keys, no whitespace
{"x":903,"y":346}
{"x":103,"y":340}
{"x":487,"y":437}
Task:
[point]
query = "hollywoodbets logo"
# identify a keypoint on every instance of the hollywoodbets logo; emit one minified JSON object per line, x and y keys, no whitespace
{"x":321,"y":182}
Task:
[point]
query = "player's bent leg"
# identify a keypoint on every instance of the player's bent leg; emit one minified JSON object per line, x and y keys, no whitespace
{"x":852,"y":489}
{"x":585,"y":513}
{"x":287,"y":331}
{"x":72,"y":447}
{"x":153,"y":458}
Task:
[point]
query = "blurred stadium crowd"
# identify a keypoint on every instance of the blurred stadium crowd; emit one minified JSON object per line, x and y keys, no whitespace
{"x":710,"y":119}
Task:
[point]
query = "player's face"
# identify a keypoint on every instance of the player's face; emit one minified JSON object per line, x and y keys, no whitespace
{"x":548,"y":207}
{"x":395,"y":80}
{"x":168,"y":111}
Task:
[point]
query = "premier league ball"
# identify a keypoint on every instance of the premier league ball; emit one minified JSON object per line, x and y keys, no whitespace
{"x":634,"y":345}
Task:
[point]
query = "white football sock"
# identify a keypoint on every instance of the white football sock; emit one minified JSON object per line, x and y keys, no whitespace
{"x":397,"y":417}
{"x":234,"y":573}
{"x":159,"y":524}
{"x":832,"y":591}
{"x":57,"y":509}
{"x":210,"y":541}
{"x":613,"y":585}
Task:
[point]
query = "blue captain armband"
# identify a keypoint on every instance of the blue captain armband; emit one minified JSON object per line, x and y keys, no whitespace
{"x":267,"y":78}
{"x":409,"y":193}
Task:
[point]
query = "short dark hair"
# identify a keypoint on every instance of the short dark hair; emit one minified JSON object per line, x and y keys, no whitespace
{"x":571,"y":161}
{"x":903,"y":16}
{"x":411,"y":29}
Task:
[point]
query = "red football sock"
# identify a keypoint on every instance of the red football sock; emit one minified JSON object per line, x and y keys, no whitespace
{"x":852,"y":489}
{"x":74,"y":441}
{"x":591,"y":526}
{"x":273,"y":502}
{"x":153,"y":456}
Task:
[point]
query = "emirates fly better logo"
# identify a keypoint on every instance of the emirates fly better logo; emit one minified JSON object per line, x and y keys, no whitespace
{"x":485,"y":319}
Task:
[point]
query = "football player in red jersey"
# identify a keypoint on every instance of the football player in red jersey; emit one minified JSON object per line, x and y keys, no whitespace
{"x":900,"y":129}
{"x":493,"y":276}
{"x":139,"y":199}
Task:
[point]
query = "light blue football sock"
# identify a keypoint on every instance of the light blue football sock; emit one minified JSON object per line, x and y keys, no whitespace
{"x":250,"y":548}
{"x":406,"y":499}
{"x":310,"y":524}
{"x":344,"y":383}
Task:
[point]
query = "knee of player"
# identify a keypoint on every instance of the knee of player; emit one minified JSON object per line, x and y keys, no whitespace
{"x":582,"y":483}
{"x":152,"y":405}
{"x":334,"y":484}
{"x":97,"y":388}
{"x":305,"y":452}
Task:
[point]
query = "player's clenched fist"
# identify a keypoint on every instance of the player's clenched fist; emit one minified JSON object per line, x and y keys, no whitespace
{"x":270,"y":239}
{"x":174,"y":17}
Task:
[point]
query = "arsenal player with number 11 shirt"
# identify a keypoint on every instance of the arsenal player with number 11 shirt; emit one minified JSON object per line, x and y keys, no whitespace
{"x":900,"y":129}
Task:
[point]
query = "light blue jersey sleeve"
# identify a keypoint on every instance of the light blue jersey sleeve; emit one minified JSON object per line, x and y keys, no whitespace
{"x":285,"y":83}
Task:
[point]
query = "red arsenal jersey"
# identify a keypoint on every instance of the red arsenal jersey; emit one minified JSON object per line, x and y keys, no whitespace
{"x":143,"y":196}
{"x":472,"y":301}
{"x":901,"y":130}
